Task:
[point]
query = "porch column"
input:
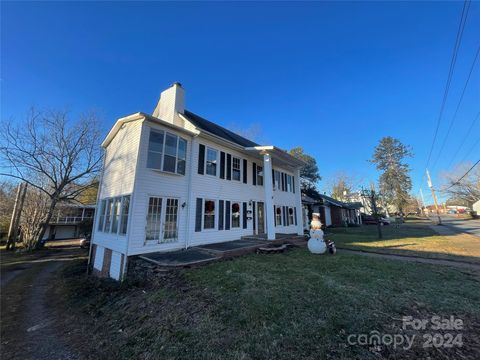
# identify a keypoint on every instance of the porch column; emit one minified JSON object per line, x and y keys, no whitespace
{"x":298,"y":203}
{"x":268,"y":188}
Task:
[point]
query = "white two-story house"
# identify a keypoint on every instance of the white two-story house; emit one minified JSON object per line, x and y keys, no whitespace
{"x":173,"y":180}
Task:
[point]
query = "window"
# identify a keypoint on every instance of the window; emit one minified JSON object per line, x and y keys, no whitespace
{"x":182,"y":156}
{"x":166,"y":152}
{"x":277,"y":179}
{"x":236,"y":169}
{"x":155,"y":150}
{"x":169,"y":160}
{"x":124,"y":218}
{"x":108,"y":216}
{"x":291,"y":219}
{"x":235,"y":215}
{"x":209,"y":214}
{"x":211,"y":162}
{"x":101,"y":219}
{"x":116,"y":214}
{"x":278,"y":215}
{"x":153,"y":219}
{"x":289,"y":183}
{"x":171,"y":214}
{"x":260,"y":175}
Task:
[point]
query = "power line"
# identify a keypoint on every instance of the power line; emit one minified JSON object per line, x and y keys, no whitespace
{"x":475,"y":119}
{"x":458,"y":106}
{"x":458,"y":40}
{"x":471,"y":149}
{"x":456,"y":182}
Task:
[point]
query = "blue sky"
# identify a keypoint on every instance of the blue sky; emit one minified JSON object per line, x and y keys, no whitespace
{"x":331,"y":77}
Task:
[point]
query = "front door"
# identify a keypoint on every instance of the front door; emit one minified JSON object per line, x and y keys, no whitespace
{"x":261,"y":217}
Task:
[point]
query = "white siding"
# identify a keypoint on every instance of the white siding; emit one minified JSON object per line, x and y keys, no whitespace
{"x":158,"y":184}
{"x":99,"y":258}
{"x":115,"y":265}
{"x":118,"y":177}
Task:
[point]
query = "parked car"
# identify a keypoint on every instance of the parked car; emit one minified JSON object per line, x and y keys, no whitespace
{"x":370,"y":220}
{"x":452,"y":211}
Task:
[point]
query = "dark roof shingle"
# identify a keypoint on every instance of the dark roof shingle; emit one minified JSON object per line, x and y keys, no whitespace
{"x":204,"y":124}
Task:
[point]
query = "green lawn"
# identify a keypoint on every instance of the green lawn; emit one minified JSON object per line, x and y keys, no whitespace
{"x":415,"y":237}
{"x":283,"y":306}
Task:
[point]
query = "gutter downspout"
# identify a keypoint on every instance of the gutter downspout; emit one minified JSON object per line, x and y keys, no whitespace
{"x":189,"y":195}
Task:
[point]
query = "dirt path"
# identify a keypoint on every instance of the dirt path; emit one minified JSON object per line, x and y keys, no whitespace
{"x":454,"y":263}
{"x":28,"y":314}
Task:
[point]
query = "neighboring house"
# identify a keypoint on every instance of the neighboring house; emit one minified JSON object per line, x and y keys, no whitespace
{"x":173,"y":180}
{"x":332,"y":212}
{"x":70,"y":221}
{"x":476,"y":207}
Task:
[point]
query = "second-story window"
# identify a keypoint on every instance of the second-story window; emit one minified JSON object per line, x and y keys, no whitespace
{"x":236,"y":169}
{"x":166,"y":152}
{"x":277,"y":180}
{"x":260,"y":175}
{"x":211,"y":166}
{"x":289,"y":183}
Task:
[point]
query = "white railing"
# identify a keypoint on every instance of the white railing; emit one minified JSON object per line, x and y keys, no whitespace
{"x":71,"y":219}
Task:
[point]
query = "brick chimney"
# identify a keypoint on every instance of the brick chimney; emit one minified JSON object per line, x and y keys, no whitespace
{"x":170,"y":104}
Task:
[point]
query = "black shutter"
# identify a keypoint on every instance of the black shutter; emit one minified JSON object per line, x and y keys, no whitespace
{"x":222,"y":165}
{"x":254,"y":174}
{"x":244,"y":215}
{"x":201,"y":159}
{"x":229,"y":167}
{"x":198,"y":215}
{"x":285,"y":216}
{"x":244,"y":171}
{"x":220,"y":215}
{"x":273,"y":178}
{"x":295,"y":214}
{"x":227,"y":215}
{"x":293,"y":184}
{"x":283,"y":181}
{"x":254,"y":216}
{"x":275,"y":214}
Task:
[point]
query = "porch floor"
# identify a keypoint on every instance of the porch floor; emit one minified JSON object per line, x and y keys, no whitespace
{"x":187,"y":257}
{"x":206,"y":253}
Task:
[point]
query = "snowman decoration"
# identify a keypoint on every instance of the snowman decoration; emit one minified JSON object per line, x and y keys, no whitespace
{"x":316,"y":244}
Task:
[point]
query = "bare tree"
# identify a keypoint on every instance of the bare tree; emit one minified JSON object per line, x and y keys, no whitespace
{"x":342,"y":185}
{"x":55,"y":157}
{"x":467,"y":189}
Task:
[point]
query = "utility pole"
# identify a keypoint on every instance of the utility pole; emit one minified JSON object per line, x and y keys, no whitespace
{"x":430,"y":185}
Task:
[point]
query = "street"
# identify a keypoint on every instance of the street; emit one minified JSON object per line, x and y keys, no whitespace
{"x":470,"y":226}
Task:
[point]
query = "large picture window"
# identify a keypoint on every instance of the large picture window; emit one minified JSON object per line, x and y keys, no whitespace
{"x":235,"y":215}
{"x":236,"y":169}
{"x":209,"y":214}
{"x":166,"y":152}
{"x":211,"y":166}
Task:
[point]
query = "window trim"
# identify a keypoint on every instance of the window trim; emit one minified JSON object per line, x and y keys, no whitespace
{"x":278,"y":212}
{"x":216,"y":159}
{"x":292,"y":215}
